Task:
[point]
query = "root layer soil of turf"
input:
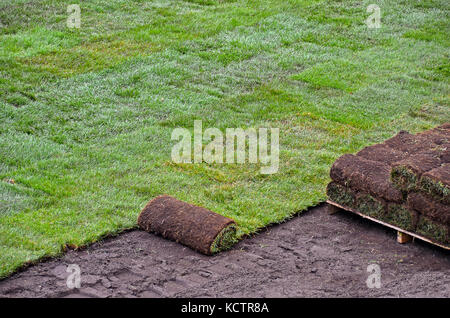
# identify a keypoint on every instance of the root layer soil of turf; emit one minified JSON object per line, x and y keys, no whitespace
{"x":312,"y":255}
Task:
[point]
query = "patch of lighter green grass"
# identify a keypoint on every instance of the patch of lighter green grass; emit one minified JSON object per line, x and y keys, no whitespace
{"x":35,"y":41}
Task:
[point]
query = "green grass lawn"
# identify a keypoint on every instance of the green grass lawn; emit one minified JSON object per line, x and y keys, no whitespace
{"x":86,"y":115}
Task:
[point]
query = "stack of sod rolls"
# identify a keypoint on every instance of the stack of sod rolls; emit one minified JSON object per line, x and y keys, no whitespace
{"x":404,"y":181}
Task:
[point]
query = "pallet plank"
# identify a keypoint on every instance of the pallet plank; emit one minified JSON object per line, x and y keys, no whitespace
{"x":403,"y":238}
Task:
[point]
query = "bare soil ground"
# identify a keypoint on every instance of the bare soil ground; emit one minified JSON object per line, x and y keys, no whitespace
{"x":312,"y":255}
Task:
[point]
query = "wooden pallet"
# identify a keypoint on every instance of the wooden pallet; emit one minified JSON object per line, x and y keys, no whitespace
{"x":403,"y":236}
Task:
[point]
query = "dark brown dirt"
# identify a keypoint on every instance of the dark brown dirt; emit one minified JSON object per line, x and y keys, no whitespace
{"x":312,"y":255}
{"x":182,"y":222}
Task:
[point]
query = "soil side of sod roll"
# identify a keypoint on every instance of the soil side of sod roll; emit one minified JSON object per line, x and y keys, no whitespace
{"x":406,"y":173}
{"x":365,"y":175}
{"x":443,"y":130}
{"x":382,"y":153}
{"x":190,"y":225}
{"x":405,"y":144}
{"x":432,"y":209}
{"x":409,"y":143}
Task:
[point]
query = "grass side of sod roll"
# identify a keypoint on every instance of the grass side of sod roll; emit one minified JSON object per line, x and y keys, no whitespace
{"x":436,"y":187}
{"x":225,"y":239}
{"x":437,"y":231}
{"x":392,"y":213}
{"x":86,"y":115}
{"x":404,"y":178}
{"x":389,"y":212}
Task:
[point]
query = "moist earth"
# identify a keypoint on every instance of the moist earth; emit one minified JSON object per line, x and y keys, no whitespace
{"x":314,"y":254}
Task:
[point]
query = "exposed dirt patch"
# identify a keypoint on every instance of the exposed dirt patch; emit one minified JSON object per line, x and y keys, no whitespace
{"x":312,"y":255}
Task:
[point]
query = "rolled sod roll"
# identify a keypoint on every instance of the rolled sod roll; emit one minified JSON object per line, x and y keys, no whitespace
{"x":436,"y":136}
{"x":406,"y":173}
{"x":436,"y":182}
{"x":432,"y":209}
{"x":412,"y":144}
{"x":434,"y":230}
{"x":190,"y":225}
{"x":365,"y":175}
{"x":358,"y":200}
{"x":402,"y":216}
{"x":443,"y":130}
{"x":406,"y":142}
{"x":389,"y":212}
{"x":341,"y":194}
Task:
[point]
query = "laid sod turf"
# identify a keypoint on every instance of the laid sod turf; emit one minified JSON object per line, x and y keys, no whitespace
{"x":86,"y":115}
